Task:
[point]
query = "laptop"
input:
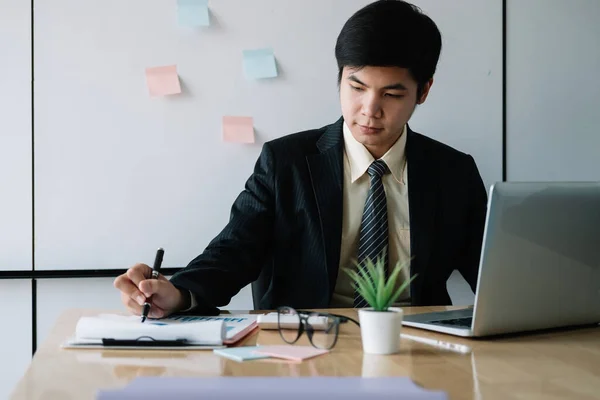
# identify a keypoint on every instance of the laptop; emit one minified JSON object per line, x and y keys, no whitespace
{"x":539,"y":266}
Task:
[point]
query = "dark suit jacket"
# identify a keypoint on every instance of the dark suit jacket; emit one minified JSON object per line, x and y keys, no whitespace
{"x":287,"y":224}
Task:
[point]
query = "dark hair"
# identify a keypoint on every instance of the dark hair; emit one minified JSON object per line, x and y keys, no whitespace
{"x":390,"y":33}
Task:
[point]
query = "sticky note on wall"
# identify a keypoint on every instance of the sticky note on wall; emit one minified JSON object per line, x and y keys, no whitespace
{"x":259,"y":64}
{"x":163,"y":81}
{"x":193,"y":13}
{"x":238,"y":129}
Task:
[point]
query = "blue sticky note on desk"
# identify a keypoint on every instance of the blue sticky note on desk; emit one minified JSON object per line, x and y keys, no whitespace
{"x":259,"y":64}
{"x":240,"y":353}
{"x":193,"y":13}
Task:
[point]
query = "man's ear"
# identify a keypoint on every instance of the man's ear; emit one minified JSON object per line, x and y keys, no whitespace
{"x":425,"y":93}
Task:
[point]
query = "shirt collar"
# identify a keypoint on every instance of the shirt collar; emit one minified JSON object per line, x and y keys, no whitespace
{"x":360,"y":159}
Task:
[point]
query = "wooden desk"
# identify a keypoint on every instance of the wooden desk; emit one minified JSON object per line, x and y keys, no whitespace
{"x":550,"y":365}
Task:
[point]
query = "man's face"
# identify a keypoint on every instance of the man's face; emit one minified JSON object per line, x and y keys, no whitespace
{"x":377,"y":102}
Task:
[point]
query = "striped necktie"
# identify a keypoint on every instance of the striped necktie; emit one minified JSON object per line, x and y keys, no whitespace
{"x":373,"y":238}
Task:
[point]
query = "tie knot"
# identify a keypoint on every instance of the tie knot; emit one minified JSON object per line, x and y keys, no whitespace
{"x":378,"y":168}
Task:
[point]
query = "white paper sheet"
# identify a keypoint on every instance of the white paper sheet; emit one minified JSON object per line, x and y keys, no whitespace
{"x":107,"y":326}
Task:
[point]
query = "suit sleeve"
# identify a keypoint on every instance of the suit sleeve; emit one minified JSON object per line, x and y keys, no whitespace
{"x":235,"y":257}
{"x":477,"y":199}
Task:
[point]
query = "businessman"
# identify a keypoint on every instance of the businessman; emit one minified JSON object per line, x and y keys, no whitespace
{"x":319,"y":199}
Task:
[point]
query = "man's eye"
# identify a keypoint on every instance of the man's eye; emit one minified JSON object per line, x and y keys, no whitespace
{"x":395,"y":96}
{"x":358,"y":89}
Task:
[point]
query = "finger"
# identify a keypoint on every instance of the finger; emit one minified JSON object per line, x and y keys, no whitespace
{"x":150,"y":286}
{"x":126,"y":286}
{"x":161,"y":277}
{"x":135,"y":309}
{"x":132,"y":306}
{"x":138,"y":273}
{"x":156,"y":312}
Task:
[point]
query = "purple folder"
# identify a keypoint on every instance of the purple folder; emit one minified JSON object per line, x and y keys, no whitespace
{"x":271,"y":388}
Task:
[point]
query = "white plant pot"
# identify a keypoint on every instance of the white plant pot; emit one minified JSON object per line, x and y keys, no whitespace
{"x":380,"y":330}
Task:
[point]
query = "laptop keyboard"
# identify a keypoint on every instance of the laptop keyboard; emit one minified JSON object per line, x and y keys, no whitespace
{"x":459,"y":322}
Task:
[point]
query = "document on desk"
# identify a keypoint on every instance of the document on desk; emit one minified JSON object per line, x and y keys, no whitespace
{"x":177,"y":332}
{"x":272,"y":388}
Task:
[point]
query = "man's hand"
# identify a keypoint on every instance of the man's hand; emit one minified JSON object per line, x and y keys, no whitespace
{"x":136,"y":287}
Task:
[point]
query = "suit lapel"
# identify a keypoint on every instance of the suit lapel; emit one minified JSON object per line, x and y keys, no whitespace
{"x":326,"y":171}
{"x":422,"y":192}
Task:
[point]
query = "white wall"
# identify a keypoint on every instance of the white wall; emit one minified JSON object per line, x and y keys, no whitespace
{"x":459,"y":290}
{"x":15,"y":190}
{"x":16,"y":332}
{"x":553,"y":90}
{"x":15,"y":135}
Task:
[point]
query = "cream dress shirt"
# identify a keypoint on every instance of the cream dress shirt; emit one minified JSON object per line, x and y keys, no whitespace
{"x":357,"y":160}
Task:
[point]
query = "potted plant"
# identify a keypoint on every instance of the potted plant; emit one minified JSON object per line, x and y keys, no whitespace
{"x":380,"y":323}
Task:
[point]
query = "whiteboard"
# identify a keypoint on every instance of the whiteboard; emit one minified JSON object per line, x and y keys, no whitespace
{"x":119,"y":174}
{"x":553,"y":91}
{"x":15,"y":135}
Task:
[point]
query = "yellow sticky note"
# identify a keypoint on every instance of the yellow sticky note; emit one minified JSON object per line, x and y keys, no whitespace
{"x":238,"y":129}
{"x":163,"y":81}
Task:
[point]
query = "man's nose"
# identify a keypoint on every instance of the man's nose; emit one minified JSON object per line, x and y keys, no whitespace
{"x":371,"y":106}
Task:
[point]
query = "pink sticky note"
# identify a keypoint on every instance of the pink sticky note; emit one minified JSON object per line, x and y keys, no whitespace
{"x":289,"y":352}
{"x":238,"y":129}
{"x":163,"y":81}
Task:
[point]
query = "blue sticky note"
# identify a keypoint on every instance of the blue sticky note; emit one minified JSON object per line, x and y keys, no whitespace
{"x":193,"y":13}
{"x":240,"y":353}
{"x":259,"y":64}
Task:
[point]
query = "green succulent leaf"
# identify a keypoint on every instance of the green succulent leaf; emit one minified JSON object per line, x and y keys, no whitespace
{"x":391,"y":282}
{"x":401,"y":289}
{"x":362,"y":284}
{"x":380,"y":287}
{"x":369,"y":280}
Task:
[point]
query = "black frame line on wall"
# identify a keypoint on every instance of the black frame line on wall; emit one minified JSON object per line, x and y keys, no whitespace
{"x":33,"y":316}
{"x":72,"y":273}
{"x":504,"y":177}
{"x":33,"y":282}
{"x":34,"y":274}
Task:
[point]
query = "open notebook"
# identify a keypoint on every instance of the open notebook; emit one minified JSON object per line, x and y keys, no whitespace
{"x":177,"y":332}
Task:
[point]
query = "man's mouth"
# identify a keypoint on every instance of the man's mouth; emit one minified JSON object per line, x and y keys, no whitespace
{"x":369,"y":130}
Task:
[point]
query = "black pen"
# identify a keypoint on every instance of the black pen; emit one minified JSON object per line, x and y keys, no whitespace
{"x":155,"y":273}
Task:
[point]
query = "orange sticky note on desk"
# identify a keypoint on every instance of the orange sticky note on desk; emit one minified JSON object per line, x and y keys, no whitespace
{"x":238,"y":129}
{"x":163,"y":81}
{"x":288,"y":352}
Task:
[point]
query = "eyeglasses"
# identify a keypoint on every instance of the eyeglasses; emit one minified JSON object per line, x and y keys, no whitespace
{"x":322,"y":329}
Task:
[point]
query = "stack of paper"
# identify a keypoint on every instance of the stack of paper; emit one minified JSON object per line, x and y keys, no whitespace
{"x":196,"y":331}
{"x":93,"y":330}
{"x":275,"y":388}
